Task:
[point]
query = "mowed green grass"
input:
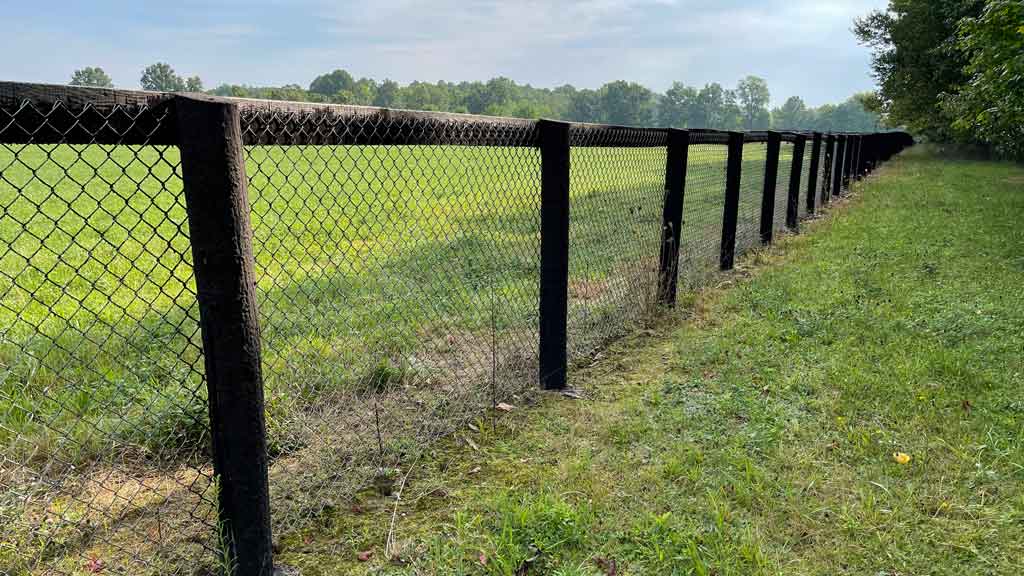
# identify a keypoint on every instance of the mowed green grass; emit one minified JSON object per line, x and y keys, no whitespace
{"x":760,"y":436}
{"x":363,"y":253}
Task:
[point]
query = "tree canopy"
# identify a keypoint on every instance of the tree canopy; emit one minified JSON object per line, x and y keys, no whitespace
{"x":950,"y":69}
{"x":161,"y":77}
{"x":91,"y":76}
{"x":617,"y":102}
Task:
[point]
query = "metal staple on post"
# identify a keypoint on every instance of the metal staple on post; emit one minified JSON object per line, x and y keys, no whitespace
{"x":672,"y":213}
{"x":771,"y":176}
{"x":554,"y":253}
{"x":730,"y":212}
{"x":217,"y":204}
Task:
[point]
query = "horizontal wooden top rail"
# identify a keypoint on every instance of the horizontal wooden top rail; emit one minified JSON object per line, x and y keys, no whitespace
{"x":57,"y":114}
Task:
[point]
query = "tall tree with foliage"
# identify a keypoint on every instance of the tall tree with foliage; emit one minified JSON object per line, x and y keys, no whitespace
{"x":627,"y":103}
{"x":915,"y":59}
{"x":332,"y":83}
{"x":793,"y":114}
{"x":162,"y":78}
{"x":676,"y":105}
{"x":752,"y":95}
{"x":91,"y":76}
{"x":989,"y":106}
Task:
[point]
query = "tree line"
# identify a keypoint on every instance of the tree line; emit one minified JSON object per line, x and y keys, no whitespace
{"x":745,"y":107}
{"x":950,"y":70}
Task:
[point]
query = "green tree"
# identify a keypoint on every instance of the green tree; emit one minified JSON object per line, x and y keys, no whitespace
{"x":627,"y":103}
{"x":586,"y":106}
{"x":753,"y":96}
{"x":915,"y":59}
{"x":387,"y":94}
{"x":161,"y":77}
{"x":91,"y":76}
{"x":676,"y":107}
{"x":708,"y":109}
{"x":791,"y":115}
{"x":989,"y":106}
{"x":193,"y":84}
{"x":332,"y":83}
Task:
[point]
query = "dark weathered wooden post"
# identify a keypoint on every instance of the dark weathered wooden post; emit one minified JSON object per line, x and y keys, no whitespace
{"x":216,"y":200}
{"x":554,"y":253}
{"x":795,"y":173}
{"x":730,"y":213}
{"x":812,"y":173}
{"x":837,"y":166}
{"x":830,"y":160}
{"x":771,"y":177}
{"x":672,"y":213}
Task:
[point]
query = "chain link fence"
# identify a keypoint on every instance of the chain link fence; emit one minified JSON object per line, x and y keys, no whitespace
{"x":339,"y":287}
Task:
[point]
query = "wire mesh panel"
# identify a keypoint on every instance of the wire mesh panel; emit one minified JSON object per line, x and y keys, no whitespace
{"x":398,"y":298}
{"x":805,"y":177}
{"x":748,"y":222}
{"x":701,"y":233}
{"x":782,"y":188}
{"x":103,"y":426}
{"x":614,"y":236}
{"x":824,"y":173}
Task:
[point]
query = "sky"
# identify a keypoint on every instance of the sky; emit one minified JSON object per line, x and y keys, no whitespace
{"x":801,"y":47}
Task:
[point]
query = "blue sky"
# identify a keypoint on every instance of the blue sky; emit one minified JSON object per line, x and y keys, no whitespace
{"x":801,"y":47}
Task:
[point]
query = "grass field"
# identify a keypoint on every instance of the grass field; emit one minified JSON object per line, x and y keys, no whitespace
{"x":387,"y":278}
{"x":853,"y":407}
{"x":97,"y":299}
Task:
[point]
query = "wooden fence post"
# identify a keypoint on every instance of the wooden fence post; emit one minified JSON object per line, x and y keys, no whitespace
{"x":771,"y":177}
{"x":554,"y":253}
{"x":672,"y":214}
{"x":730,"y":213}
{"x":795,"y":173}
{"x":216,"y":199}
{"x":812,"y":173}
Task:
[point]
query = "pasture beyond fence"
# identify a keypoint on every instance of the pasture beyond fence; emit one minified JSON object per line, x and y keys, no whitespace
{"x":223,"y":321}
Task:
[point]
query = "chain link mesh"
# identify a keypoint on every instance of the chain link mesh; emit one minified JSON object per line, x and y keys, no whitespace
{"x":103,"y":425}
{"x":614,"y":236}
{"x":398,"y":299}
{"x":748,"y":220}
{"x":397,"y":260}
{"x":782,"y":189}
{"x":701,"y":233}
{"x":805,"y":177}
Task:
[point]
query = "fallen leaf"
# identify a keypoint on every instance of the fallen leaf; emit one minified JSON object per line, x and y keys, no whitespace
{"x":471,"y":443}
{"x":474,"y":470}
{"x":364,"y":555}
{"x":901,"y":458}
{"x":505,"y":407}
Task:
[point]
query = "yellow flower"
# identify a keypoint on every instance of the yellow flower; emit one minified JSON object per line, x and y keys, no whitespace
{"x":901,"y":458}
